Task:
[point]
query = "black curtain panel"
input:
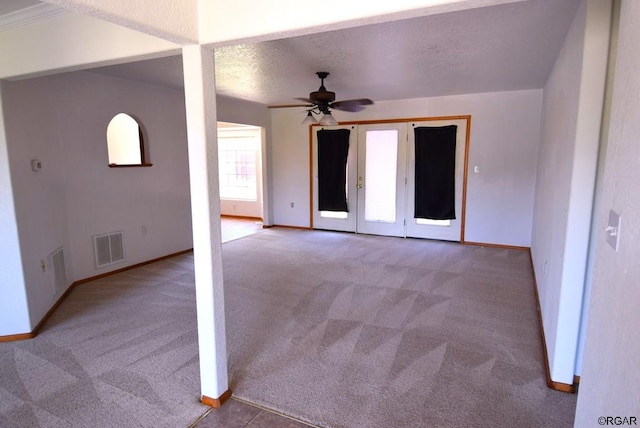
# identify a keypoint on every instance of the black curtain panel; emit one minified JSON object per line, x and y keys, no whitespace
{"x":333,"y":148}
{"x":435,"y":149}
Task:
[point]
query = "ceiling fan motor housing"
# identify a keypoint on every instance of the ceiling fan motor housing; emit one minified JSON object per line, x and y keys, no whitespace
{"x":322,"y":96}
{"x":323,"y":101}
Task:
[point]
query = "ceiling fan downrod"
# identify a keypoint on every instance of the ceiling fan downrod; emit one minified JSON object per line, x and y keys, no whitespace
{"x":322,"y":97}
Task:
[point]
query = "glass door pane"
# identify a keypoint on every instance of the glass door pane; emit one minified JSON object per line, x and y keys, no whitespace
{"x":381,"y":179}
{"x":381,"y":160}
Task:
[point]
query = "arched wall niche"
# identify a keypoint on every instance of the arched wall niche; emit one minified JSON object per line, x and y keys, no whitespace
{"x":125,"y":142}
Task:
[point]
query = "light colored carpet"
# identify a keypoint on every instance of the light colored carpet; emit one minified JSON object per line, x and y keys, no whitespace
{"x":119,"y":352}
{"x":345,"y":330}
{"x":336,"y":329}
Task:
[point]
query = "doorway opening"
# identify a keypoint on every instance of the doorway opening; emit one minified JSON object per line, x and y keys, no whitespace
{"x":240,"y":160}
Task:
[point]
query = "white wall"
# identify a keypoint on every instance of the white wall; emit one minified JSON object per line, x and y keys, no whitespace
{"x":109,"y":199}
{"x":244,"y":112}
{"x":610,"y":381}
{"x":14,"y":310}
{"x":571,"y":117}
{"x":597,"y":197}
{"x":504,"y":143}
{"x":40,"y":197}
{"x":62,"y":121}
{"x":289,"y":167}
{"x":240,"y":208}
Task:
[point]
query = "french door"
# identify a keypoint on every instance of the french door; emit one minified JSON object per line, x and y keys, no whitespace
{"x":449,"y":229}
{"x":381,"y":173}
{"x":380,"y":184}
{"x":342,"y":220}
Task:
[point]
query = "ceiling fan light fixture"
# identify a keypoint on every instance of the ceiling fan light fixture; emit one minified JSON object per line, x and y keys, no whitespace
{"x":310,"y":119}
{"x":321,"y":102}
{"x":328,"y":120}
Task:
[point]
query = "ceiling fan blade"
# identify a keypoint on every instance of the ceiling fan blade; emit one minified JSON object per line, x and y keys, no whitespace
{"x":306,"y":100}
{"x":289,"y":105}
{"x":349,"y":108}
{"x":351,"y":105}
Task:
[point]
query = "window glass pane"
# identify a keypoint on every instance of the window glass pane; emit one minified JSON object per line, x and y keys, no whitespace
{"x":334,"y":214}
{"x":380,"y":175}
{"x":433,"y":222}
{"x":237,"y":166}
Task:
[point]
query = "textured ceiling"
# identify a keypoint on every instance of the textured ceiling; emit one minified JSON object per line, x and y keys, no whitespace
{"x":496,"y":48}
{"x":480,"y":50}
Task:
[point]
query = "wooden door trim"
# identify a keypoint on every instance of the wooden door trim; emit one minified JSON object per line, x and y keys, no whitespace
{"x":465,"y":172}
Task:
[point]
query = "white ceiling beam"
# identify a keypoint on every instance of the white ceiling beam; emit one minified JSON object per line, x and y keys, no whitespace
{"x":30,"y":15}
{"x":242,"y":21}
{"x":172,"y":20}
{"x":73,"y":42}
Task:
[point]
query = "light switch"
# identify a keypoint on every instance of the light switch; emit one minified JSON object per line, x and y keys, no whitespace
{"x":613,"y":229}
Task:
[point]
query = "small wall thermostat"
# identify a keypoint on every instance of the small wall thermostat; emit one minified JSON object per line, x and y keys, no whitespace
{"x":36,"y":165}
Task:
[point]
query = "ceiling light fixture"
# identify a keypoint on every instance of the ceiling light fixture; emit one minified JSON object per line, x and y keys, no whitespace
{"x":328,"y":119}
{"x":324,"y":114}
{"x":321,"y":102}
{"x":309,"y":120}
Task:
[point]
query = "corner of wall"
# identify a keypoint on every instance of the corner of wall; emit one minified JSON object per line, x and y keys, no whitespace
{"x":14,"y":310}
{"x":572,"y":112}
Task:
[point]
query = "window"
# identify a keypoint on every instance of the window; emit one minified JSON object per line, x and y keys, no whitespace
{"x":238,"y":156}
{"x":125,"y":144}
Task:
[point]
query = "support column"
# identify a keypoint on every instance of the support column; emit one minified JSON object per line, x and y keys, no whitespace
{"x":200,"y":101}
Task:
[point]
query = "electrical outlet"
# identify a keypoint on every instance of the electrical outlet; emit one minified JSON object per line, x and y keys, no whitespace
{"x":43,"y":266}
{"x":291,"y":204}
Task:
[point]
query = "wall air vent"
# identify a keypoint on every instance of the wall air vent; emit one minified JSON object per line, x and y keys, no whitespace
{"x":108,"y":248}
